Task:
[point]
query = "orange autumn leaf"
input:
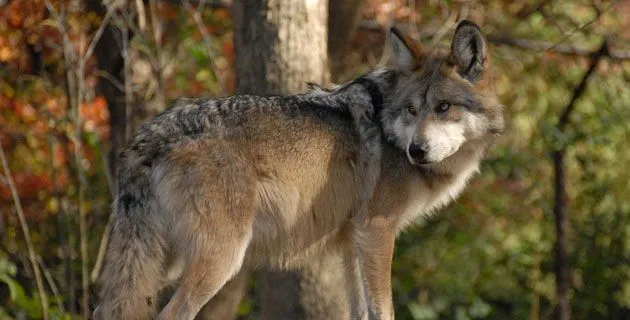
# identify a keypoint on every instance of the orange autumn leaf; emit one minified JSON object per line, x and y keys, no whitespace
{"x":28,"y":186}
{"x":94,"y":113}
{"x":25,"y":111}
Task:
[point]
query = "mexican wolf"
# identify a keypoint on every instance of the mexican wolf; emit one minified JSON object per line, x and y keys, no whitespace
{"x":212,"y":185}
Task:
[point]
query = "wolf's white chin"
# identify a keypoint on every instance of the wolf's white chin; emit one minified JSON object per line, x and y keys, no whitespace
{"x":441,"y":157}
{"x":431,"y":161}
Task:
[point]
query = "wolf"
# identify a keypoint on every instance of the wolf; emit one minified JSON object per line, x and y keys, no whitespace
{"x":212,"y":185}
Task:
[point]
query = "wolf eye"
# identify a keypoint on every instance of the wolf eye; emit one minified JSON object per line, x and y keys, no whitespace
{"x":411,"y":110}
{"x":443,"y":107}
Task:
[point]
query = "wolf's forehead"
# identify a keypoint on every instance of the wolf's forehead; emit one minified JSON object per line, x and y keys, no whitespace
{"x":432,"y":87}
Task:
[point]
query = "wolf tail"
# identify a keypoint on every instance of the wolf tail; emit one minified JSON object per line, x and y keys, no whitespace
{"x":135,"y":266}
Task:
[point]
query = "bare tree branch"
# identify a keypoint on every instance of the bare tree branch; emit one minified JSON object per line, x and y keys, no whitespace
{"x":51,"y":284}
{"x":586,"y":25}
{"x":142,"y":16}
{"x":43,"y":297}
{"x":550,"y":47}
{"x":506,"y":39}
{"x":196,"y":15}
{"x":158,"y":65}
{"x":579,"y":90}
{"x":108,"y":76}
{"x":75,"y":77}
{"x":102,"y":247}
{"x":97,"y":36}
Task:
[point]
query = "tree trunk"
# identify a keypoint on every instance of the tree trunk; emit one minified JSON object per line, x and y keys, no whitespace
{"x":281,"y":45}
{"x":343,"y":20}
{"x":561,"y":265}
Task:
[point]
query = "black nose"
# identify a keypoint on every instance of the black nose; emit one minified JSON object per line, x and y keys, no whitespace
{"x":418,"y":151}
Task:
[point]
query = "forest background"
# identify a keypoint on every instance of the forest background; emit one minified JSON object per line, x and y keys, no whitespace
{"x":542,"y":233}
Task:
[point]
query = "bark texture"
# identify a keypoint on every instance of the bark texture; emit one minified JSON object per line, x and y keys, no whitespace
{"x":280,"y":45}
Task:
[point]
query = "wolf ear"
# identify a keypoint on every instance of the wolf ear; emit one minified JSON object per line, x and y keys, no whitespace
{"x":469,"y":51}
{"x":405,"y":58}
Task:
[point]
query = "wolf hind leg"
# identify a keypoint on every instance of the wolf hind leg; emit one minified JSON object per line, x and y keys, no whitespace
{"x":209,"y":266}
{"x":212,"y":199}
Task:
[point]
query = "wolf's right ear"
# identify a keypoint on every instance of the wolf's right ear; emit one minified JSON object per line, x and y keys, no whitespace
{"x":405,"y":58}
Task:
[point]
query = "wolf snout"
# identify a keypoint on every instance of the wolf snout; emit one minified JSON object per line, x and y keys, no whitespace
{"x":418,"y":151}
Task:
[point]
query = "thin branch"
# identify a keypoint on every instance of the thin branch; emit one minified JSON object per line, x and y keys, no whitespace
{"x":127,"y":76}
{"x":51,"y":284}
{"x":581,"y":87}
{"x":196,"y":15}
{"x":156,"y":28}
{"x":102,"y":249}
{"x":506,"y":39}
{"x":200,"y":6}
{"x":43,"y":297}
{"x":78,"y":157}
{"x":446,"y":26}
{"x":142,"y":16}
{"x":127,"y":18}
{"x":109,"y":77}
{"x":586,"y":25}
{"x":61,"y":27}
{"x":541,"y":46}
{"x":97,"y":36}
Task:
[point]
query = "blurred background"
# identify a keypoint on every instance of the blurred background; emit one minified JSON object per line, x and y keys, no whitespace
{"x":542,"y":233}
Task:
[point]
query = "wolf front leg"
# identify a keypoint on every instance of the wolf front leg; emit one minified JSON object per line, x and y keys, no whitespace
{"x":377,"y":248}
{"x":355,"y":280}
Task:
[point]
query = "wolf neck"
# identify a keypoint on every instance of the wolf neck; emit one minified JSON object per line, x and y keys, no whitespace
{"x":427,"y":189}
{"x":447,"y":179}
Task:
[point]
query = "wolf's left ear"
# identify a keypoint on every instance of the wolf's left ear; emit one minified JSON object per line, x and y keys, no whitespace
{"x":469,"y":51}
{"x":405,"y":54}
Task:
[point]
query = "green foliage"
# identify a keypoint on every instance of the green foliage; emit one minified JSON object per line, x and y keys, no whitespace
{"x":19,"y":302}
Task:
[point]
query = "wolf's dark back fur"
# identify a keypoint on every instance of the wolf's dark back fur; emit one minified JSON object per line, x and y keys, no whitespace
{"x":194,"y":118}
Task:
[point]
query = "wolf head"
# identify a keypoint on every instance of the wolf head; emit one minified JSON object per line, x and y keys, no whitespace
{"x":443,"y":100}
